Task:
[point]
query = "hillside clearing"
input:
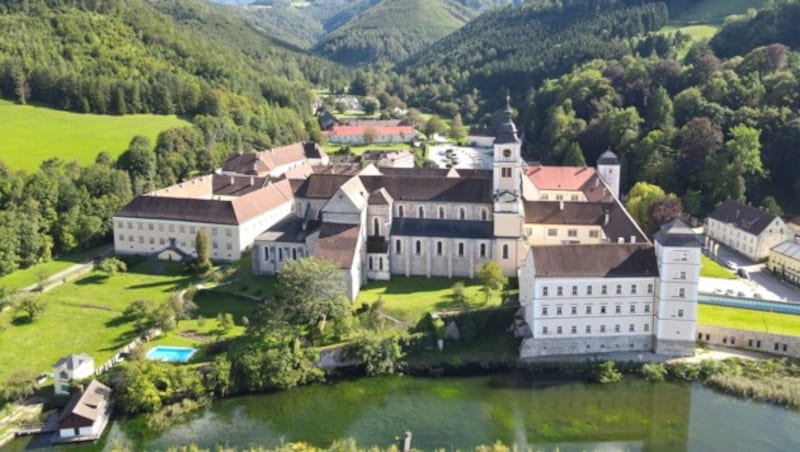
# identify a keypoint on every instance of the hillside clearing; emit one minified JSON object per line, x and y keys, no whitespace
{"x":32,"y":134}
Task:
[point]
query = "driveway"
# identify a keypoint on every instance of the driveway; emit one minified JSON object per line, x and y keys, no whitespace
{"x":761,"y":281}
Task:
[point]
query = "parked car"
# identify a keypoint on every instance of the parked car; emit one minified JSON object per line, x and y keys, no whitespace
{"x":729,"y":292}
{"x":743,"y":273}
{"x":740,"y":294}
{"x":731,"y":264}
{"x":757,"y":295}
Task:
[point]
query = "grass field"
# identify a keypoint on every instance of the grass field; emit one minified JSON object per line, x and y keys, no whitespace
{"x":86,"y":316}
{"x":411,"y":298}
{"x":696,"y":31}
{"x":30,"y":276}
{"x":331,"y":148}
{"x":34,"y":134}
{"x":712,"y":269}
{"x":746,"y":319}
{"x":715,"y":10}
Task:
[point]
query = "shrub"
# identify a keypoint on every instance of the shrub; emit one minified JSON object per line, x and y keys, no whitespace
{"x":654,"y":372}
{"x":605,"y":372}
{"x":458,"y":292}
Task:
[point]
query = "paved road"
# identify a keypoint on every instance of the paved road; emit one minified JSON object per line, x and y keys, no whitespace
{"x":761,"y":282}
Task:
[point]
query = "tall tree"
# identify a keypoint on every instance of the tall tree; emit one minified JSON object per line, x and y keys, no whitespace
{"x":640,"y":198}
{"x":202,"y":246}
{"x":574,"y":156}
{"x":744,"y":149}
{"x":491,"y":276}
{"x":698,"y":140}
{"x":457,"y":130}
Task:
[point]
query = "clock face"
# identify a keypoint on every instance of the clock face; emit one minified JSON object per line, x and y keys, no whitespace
{"x":507,"y":153}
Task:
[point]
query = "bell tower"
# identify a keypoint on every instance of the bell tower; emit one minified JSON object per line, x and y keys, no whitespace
{"x":509,"y":215}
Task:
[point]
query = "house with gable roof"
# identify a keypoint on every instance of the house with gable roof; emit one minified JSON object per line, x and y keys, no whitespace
{"x":71,"y":368}
{"x":86,"y":415}
{"x":748,"y":230}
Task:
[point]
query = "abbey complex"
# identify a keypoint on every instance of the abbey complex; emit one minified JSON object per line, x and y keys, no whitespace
{"x":590,"y":280}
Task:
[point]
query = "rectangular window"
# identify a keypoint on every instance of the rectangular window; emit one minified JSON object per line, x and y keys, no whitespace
{"x":602,"y":328}
{"x":572,"y":232}
{"x":544,"y":310}
{"x":650,"y":288}
{"x":559,"y":331}
{"x":588,"y":309}
{"x":574,"y":290}
{"x":181,"y":229}
{"x":646,"y":308}
{"x":544,"y":291}
{"x":172,"y":228}
{"x":506,"y":172}
{"x":229,"y":247}
{"x":574,"y":310}
{"x":552,"y":232}
{"x":121,"y":238}
{"x":161,"y":227}
{"x":483,"y":250}
{"x":681,"y":293}
{"x":544,"y":331}
{"x":280,"y":254}
{"x":460,"y":249}
{"x":558,"y":310}
{"x":161,"y":240}
{"x":398,"y":247}
{"x":594,"y":234}
{"x":266,"y":253}
{"x":139,"y":226}
{"x":631,"y":328}
{"x":683,"y":275}
{"x":573,"y":329}
{"x":152,"y":241}
{"x":418,"y":247}
{"x":588,"y":290}
{"x":559,"y":291}
{"x":646,"y":327}
{"x":680,"y":312}
{"x":633,"y":289}
{"x":602,"y":309}
{"x":588,"y":329}
{"x":150,"y":226}
{"x":633,"y":309}
{"x":619,"y":289}
{"x":603,"y":289}
{"x":439,"y":248}
{"x":214,"y":231}
{"x":227,"y":233}
{"x":616,"y":328}
{"x":214,"y":244}
{"x":618,"y":309}
{"x":192,"y":230}
{"x":130,"y":225}
{"x":141,"y":239}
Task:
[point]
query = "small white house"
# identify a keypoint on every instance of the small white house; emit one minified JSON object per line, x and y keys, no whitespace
{"x":71,"y":368}
{"x":86,"y":415}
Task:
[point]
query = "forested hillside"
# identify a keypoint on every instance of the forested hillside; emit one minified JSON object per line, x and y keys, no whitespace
{"x":703,"y":127}
{"x":515,"y":48}
{"x":393,"y":30}
{"x":240,"y":88}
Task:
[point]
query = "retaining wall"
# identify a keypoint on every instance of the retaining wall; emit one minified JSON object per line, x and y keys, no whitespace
{"x":777,"y":344}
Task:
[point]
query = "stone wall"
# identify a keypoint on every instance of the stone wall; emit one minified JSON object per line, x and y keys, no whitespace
{"x":535,"y":347}
{"x":778,"y":344}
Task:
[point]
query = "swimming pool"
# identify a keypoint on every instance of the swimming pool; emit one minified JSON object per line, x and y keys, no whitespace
{"x":172,"y":354}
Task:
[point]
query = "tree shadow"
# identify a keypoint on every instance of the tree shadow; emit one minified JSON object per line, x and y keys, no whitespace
{"x":21,"y":320}
{"x":172,"y":283}
{"x":119,"y":320}
{"x":92,"y":279}
{"x":122,"y":340}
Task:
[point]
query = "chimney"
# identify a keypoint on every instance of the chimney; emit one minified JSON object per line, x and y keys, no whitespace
{"x":620,"y":239}
{"x":606,"y":218}
{"x":252,"y":181}
{"x":561,"y":205}
{"x":233,"y":180}
{"x":633,"y":239}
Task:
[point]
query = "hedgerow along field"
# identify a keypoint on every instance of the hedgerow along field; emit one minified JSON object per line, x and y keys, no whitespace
{"x":34,"y":134}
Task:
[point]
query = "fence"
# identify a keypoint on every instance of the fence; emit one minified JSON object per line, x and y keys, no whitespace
{"x":785,"y":307}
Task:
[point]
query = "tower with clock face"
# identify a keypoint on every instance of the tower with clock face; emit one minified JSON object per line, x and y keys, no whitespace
{"x":507,"y":194}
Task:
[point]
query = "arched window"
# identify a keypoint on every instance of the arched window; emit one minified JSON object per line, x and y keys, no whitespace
{"x":418,"y":247}
{"x":400,"y":211}
{"x":461,"y":249}
{"x":376,"y":226}
{"x":441,"y":213}
{"x":462,"y":214}
{"x":484,"y":215}
{"x":505,"y":251}
{"x":421,"y":212}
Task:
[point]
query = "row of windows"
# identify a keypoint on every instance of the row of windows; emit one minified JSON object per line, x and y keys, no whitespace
{"x":573,"y":310}
{"x":162,"y":241}
{"x":280,"y":252}
{"x":546,"y":197}
{"x":171,"y":228}
{"x":442,"y":213}
{"x":439,"y":251}
{"x":553,"y":232}
{"x":588,"y":329}
{"x":603,"y":289}
{"x":750,"y":342}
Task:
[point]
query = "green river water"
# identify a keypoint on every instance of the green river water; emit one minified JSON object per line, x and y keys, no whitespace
{"x":450,"y":413}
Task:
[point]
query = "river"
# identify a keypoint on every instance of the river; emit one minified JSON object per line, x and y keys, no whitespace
{"x":464,"y":412}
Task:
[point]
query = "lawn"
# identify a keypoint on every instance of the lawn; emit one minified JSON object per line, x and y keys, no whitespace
{"x":244,"y":282}
{"x":712,"y":269}
{"x":331,"y":148}
{"x":33,"y":134}
{"x":410,"y":298}
{"x":716,"y":10}
{"x":30,"y":276}
{"x":746,"y":319}
{"x":86,"y":316}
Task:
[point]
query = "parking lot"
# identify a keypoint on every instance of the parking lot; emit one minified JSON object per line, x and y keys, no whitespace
{"x":761,"y":284}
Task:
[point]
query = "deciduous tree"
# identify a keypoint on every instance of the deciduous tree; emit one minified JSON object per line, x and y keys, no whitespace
{"x":491,"y":276}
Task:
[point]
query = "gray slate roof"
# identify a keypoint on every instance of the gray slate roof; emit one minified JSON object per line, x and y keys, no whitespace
{"x":608,"y":158}
{"x":89,"y":405}
{"x":789,"y":248}
{"x":744,"y":217}
{"x":678,"y":233}
{"x":606,"y":260}
{"x":74,"y":361}
{"x":420,"y":227}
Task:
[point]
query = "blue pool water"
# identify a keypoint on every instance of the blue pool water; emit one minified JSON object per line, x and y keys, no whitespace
{"x":173,"y":354}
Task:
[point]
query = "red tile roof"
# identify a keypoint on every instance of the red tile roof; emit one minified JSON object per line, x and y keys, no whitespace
{"x":379,"y":130}
{"x":560,"y":177}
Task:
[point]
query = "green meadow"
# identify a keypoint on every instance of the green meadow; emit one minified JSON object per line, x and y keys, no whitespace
{"x":33,"y":134}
